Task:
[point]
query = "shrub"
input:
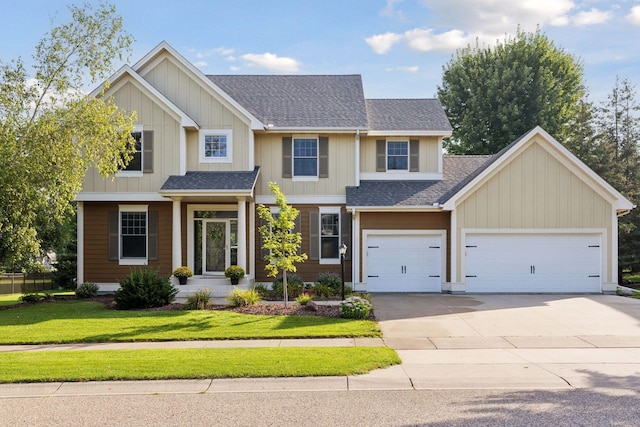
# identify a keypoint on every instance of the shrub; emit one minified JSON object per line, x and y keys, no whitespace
{"x":355,"y":308}
{"x":304,"y":299}
{"x":66,"y":269}
{"x":87,"y":290}
{"x":243,"y":297}
{"x":261,"y":289}
{"x":295,"y":286}
{"x":33,"y":297}
{"x":321,"y":291}
{"x":199,"y":300}
{"x":331,"y":280}
{"x":144,"y":288}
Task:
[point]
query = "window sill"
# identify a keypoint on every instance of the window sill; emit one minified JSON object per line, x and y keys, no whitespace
{"x":133,"y":261}
{"x":329,"y":261}
{"x":305,"y":178}
{"x":216,"y":160}
{"x":129,"y":174}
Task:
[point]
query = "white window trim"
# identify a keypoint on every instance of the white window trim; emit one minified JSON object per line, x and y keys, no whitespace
{"x":329,"y":210}
{"x":135,"y":174}
{"x":303,"y":178}
{"x":226,"y":132}
{"x":386,"y":156}
{"x":132,"y":208}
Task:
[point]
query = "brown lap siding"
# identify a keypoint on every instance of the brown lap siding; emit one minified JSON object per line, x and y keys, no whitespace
{"x":97,"y":266}
{"x":309,"y":269}
{"x":408,"y":221}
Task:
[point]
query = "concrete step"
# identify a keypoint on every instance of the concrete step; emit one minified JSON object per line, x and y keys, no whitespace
{"x":218,"y":287}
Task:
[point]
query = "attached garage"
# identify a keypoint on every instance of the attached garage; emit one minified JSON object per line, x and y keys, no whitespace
{"x":412,"y":262}
{"x":533,"y":262}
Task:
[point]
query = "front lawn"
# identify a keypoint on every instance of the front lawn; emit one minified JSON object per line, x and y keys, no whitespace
{"x":87,"y":321}
{"x":81,"y":365}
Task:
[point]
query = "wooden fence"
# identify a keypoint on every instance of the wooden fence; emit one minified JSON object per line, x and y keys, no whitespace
{"x":17,"y":283}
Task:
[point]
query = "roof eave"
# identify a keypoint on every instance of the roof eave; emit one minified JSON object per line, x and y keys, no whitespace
{"x":441,"y":133}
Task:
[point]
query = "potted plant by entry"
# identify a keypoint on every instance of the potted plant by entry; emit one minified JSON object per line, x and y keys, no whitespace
{"x":235,"y":273}
{"x":183,"y":273}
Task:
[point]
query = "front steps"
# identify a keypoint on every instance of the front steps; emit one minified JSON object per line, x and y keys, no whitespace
{"x":218,"y":287}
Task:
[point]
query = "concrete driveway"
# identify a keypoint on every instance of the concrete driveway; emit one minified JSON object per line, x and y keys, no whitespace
{"x":513,"y":341}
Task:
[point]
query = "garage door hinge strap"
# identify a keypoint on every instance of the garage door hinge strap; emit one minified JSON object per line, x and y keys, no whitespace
{"x":373,"y":276}
{"x":594,"y":246}
{"x":471,"y":246}
{"x":373,"y":247}
{"x":436,"y":275}
{"x":434,"y":247}
{"x":470,"y":276}
{"x":594,"y":275}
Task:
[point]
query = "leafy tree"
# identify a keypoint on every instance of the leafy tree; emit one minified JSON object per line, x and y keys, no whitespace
{"x":492,"y":96}
{"x":279,"y":239}
{"x":51,"y":133}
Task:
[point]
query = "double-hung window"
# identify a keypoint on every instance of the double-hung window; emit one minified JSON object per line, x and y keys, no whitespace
{"x":305,"y":157}
{"x":133,"y":230}
{"x":216,"y":146}
{"x":398,"y":155}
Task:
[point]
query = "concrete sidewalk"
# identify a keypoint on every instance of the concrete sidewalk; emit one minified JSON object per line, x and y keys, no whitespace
{"x":444,"y":342}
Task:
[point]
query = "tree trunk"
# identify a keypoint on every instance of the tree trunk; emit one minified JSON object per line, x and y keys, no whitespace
{"x":284,"y":287}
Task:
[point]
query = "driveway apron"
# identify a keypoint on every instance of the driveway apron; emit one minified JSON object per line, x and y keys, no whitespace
{"x":513,"y":341}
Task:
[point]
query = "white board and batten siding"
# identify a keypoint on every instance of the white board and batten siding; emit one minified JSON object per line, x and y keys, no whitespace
{"x":533,"y":262}
{"x":404,"y":260}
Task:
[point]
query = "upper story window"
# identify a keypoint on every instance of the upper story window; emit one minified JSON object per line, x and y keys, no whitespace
{"x":135,"y":165}
{"x":216,"y":146}
{"x":305,"y":157}
{"x":398,"y":155}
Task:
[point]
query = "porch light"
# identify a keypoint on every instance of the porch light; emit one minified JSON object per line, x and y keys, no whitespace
{"x":343,"y":250}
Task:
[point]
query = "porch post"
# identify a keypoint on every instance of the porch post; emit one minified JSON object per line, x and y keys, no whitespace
{"x":176,"y":236}
{"x":80,"y":244}
{"x":242,"y":233}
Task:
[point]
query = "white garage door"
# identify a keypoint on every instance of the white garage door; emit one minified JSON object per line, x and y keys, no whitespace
{"x":408,"y":263}
{"x":533,"y":263}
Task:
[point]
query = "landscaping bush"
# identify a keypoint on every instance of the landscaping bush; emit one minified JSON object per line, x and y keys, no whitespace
{"x":355,"y":308}
{"x":198,"y":301}
{"x":33,"y":297}
{"x":144,"y":288}
{"x":331,"y":280}
{"x":321,"y":291}
{"x":304,"y":299}
{"x":87,"y":290}
{"x":295,"y":286}
{"x":66,"y":269}
{"x":243,"y":297}
{"x":261,"y":289}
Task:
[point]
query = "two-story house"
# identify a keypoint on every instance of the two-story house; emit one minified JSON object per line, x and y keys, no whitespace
{"x":369,"y":173}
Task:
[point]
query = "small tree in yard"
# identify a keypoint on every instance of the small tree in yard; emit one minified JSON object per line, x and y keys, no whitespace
{"x":279,"y":238}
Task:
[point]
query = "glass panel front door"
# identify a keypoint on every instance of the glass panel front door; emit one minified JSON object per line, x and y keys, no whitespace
{"x":215,"y":244}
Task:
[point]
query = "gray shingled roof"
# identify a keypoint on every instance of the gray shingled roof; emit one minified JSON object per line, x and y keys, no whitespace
{"x":457,"y":172}
{"x":299,"y":101}
{"x":406,"y":114}
{"x":213,"y":181}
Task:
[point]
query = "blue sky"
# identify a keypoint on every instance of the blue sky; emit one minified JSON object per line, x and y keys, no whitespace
{"x":398,"y":46}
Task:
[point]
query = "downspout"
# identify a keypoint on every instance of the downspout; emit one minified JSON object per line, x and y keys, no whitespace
{"x":355,"y":250}
{"x":357,"y":158}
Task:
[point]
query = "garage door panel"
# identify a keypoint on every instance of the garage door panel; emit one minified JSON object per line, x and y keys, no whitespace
{"x":533,"y":263}
{"x":409,"y":263}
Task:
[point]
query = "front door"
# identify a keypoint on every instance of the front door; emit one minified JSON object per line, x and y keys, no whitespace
{"x":215,"y":246}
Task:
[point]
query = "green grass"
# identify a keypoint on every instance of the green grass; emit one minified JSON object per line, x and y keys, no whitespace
{"x":81,"y":365}
{"x":11,"y":299}
{"x":85,"y":321}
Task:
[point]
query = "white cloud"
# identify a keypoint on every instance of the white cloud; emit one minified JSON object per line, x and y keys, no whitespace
{"x":271,"y":62}
{"x":423,"y":40}
{"x":634,"y":15}
{"x":594,"y":16}
{"x":382,"y":43}
{"x":200,"y":64}
{"x":390,"y":10}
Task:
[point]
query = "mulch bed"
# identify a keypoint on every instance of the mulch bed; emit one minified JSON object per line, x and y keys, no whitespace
{"x":271,"y":309}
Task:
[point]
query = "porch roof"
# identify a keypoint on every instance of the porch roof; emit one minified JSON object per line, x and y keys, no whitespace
{"x":457,"y":172}
{"x":211,"y":182}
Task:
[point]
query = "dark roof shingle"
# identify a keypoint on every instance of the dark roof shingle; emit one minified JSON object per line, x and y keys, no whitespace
{"x":299,"y":101}
{"x":457,"y":172}
{"x":213,"y":181}
{"x":406,"y":114}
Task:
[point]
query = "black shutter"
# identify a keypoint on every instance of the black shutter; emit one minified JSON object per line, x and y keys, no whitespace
{"x":286,"y":157}
{"x":147,"y":151}
{"x":381,"y":155}
{"x":114,"y":235}
{"x":314,"y":236}
{"x":152,"y":230}
{"x":323,"y":150}
{"x":263,"y":252}
{"x":414,"y":155}
{"x":297,"y":228}
{"x":345,"y":232}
